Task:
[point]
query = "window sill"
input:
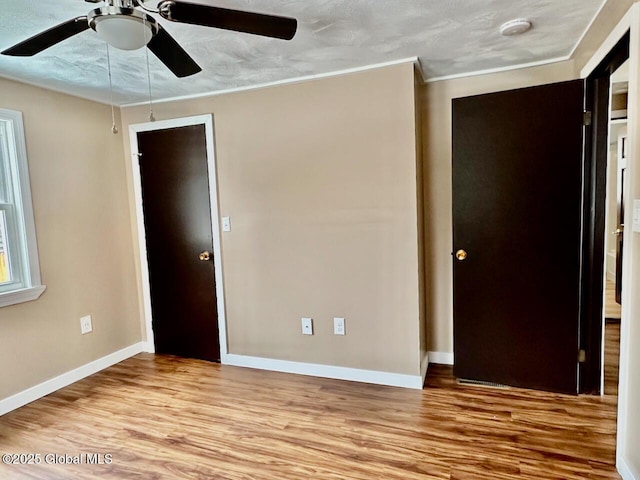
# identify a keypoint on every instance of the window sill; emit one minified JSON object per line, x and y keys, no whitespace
{"x":20,"y":296}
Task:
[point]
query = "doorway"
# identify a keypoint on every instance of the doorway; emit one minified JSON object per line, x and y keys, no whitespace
{"x":614,"y":230}
{"x":175,"y":189}
{"x":516,"y":323}
{"x":597,"y":241}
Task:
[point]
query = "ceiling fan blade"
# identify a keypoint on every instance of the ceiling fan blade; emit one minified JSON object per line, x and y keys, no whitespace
{"x":48,"y":38}
{"x":248,"y":22}
{"x":172,"y":54}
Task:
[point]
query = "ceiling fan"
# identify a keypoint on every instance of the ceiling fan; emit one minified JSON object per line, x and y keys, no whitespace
{"x":125,"y":25}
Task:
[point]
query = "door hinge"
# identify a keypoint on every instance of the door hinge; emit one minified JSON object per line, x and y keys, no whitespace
{"x":586,"y":118}
{"x":582,"y":356}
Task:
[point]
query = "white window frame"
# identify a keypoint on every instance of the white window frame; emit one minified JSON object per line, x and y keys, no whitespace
{"x":22,"y":240}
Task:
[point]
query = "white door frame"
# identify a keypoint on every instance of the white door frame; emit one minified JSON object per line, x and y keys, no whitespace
{"x":207,"y":121}
{"x":630,"y":22}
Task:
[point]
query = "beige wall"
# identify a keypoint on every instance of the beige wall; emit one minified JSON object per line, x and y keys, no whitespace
{"x":612,"y":211}
{"x":319,"y":179}
{"x":632,"y":433}
{"x":82,"y":223}
{"x":436,"y":113}
{"x":611,"y":240}
{"x":631,"y":286}
{"x":619,"y":102}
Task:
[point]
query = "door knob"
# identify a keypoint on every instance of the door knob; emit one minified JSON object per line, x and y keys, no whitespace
{"x":461,"y":255}
{"x":618,"y":232}
{"x":204,"y":256}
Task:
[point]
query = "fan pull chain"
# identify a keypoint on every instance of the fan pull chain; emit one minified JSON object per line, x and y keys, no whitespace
{"x":146,"y":52}
{"x":114,"y":129}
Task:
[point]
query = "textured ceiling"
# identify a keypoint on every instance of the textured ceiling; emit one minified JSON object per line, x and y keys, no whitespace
{"x":449,"y":36}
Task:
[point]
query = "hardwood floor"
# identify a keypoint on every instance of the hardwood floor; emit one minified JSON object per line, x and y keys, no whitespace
{"x":165,"y":417}
{"x":611,"y":357}
{"x":612,"y":309}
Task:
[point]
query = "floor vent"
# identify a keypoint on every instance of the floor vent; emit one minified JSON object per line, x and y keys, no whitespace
{"x":480,"y":383}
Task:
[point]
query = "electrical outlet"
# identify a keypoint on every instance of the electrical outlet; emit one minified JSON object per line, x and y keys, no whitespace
{"x":307,"y":326}
{"x":85,"y":325}
{"x":338,"y":326}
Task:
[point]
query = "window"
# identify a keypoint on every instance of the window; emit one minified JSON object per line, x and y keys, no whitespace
{"x":19,"y":267}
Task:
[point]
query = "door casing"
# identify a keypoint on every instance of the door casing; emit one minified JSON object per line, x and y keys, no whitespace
{"x":630,"y":22}
{"x":595,"y":160}
{"x":207,"y":121}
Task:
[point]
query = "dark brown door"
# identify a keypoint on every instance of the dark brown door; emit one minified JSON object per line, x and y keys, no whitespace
{"x":622,"y":163}
{"x":517,"y":159}
{"x":177,"y":219}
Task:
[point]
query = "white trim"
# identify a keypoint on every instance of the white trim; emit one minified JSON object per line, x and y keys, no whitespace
{"x":614,"y":37}
{"x":142,"y":248}
{"x":277,"y":82}
{"x":442,"y":358}
{"x":207,"y":121}
{"x":624,"y":469}
{"x":32,"y":286}
{"x":45,"y":388}
{"x":499,"y":69}
{"x":424,"y":366}
{"x":618,"y":116}
{"x":586,"y":30}
{"x":19,"y":296}
{"x":326,"y":371}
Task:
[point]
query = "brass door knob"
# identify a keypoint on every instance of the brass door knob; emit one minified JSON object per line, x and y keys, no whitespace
{"x":204,"y":256}
{"x":461,"y":255}
{"x":618,"y":232}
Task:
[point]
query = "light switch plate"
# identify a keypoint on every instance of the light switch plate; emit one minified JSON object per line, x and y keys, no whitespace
{"x":338,"y":326}
{"x":226,"y":224}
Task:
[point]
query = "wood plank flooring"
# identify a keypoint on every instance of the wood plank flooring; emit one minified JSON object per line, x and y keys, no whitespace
{"x":611,"y":357}
{"x":612,"y":309}
{"x":162,"y":417}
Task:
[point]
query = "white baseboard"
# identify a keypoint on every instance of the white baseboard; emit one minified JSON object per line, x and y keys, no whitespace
{"x":326,"y":371}
{"x":625,"y":470}
{"x":45,"y":388}
{"x":443,"y":358}
{"x":148,"y":347}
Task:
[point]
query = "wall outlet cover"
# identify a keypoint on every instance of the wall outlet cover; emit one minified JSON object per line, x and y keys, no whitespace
{"x":86,"y":325}
{"x":307,"y":326}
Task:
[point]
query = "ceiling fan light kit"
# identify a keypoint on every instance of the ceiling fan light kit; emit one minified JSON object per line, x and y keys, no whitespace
{"x":123,"y":28}
{"x":122,"y":25}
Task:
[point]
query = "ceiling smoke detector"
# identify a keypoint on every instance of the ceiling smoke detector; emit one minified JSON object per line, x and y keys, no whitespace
{"x":515,"y":27}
